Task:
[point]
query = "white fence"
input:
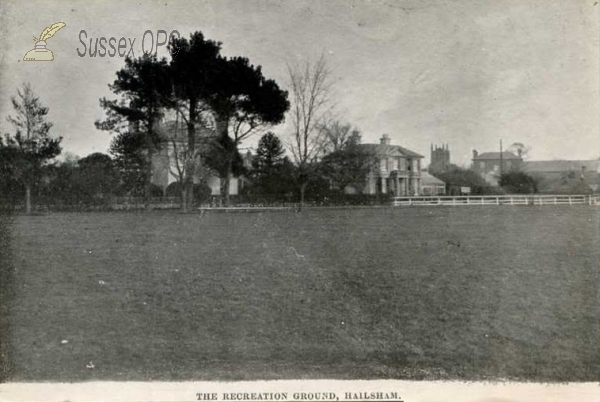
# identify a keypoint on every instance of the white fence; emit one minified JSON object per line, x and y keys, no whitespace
{"x":500,"y":200}
{"x":127,"y":203}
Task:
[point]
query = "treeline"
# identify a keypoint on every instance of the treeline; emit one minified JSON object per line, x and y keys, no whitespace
{"x":98,"y":181}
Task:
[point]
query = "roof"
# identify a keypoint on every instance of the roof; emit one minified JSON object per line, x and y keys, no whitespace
{"x":496,"y":156}
{"x":429,"y":180}
{"x":561,"y":166}
{"x":390,"y":150}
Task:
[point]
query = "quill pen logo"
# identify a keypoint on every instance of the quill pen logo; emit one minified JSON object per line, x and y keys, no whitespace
{"x":39,"y":52}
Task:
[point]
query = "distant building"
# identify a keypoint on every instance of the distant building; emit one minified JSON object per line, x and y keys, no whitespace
{"x":168,"y":162}
{"x":489,"y":165}
{"x":431,"y":185}
{"x":440,"y":158}
{"x":397,"y":170}
{"x":565,"y":176}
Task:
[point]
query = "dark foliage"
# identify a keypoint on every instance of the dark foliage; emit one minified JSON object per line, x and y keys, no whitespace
{"x":518,"y":183}
{"x":144,"y":87}
{"x":234,"y":91}
{"x":456,"y":177}
{"x":131,"y":163}
{"x":272,"y":172}
{"x":202,"y":191}
{"x":348,"y":165}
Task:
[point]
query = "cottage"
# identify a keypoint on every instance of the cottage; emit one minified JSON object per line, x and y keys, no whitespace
{"x":431,"y":185}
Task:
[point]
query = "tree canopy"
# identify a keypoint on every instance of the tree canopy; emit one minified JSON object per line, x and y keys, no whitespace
{"x":31,"y":147}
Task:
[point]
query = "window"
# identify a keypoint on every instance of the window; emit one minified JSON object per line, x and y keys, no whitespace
{"x":482,"y":165}
{"x":402,"y":164}
{"x":508,"y":164}
{"x":496,"y":168}
{"x":394,"y":164}
{"x":383,"y":164}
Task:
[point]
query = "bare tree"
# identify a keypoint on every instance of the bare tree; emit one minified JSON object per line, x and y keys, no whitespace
{"x":519,"y":149}
{"x":184,"y":163}
{"x":338,"y":135}
{"x":311,"y":89}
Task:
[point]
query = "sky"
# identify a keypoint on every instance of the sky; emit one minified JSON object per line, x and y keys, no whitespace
{"x":463,"y":73}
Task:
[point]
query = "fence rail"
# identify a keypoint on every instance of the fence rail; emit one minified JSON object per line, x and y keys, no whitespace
{"x":499,"y":200}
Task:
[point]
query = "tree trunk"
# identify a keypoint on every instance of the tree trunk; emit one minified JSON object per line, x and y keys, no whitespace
{"x":222,"y":127}
{"x":27,"y":198}
{"x":183,"y":198}
{"x":227,"y":181}
{"x":188,"y":184}
{"x":148,"y":184}
{"x":302,"y":191}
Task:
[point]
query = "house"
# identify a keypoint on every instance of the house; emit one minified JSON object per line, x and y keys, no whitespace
{"x":168,"y":163}
{"x":565,"y":176}
{"x":396,"y":171}
{"x":431,"y":185}
{"x":490,"y":165}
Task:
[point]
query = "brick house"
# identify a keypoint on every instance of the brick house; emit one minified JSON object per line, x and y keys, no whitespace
{"x":489,"y":165}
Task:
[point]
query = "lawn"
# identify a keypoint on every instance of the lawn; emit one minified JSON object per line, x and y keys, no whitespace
{"x":470,"y":293}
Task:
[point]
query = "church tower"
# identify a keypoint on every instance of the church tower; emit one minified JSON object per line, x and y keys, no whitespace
{"x":440,"y":158}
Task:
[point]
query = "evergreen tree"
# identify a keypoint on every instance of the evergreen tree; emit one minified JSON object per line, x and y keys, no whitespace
{"x":144,"y":87}
{"x":31,"y":147}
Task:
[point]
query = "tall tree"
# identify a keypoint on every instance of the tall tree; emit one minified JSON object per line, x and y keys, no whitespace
{"x":194,"y":66}
{"x":144,"y":87}
{"x":31,"y":147}
{"x":243,"y":101}
{"x":311,"y":89}
{"x":272,"y":171}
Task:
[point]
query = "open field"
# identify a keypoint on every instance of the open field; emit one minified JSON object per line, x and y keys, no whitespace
{"x":419,"y":293}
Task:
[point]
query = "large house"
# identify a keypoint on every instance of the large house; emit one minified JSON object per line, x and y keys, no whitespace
{"x":490,"y":165}
{"x":397,"y":170}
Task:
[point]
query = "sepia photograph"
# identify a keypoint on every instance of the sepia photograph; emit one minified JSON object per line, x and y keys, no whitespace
{"x":276,"y":200}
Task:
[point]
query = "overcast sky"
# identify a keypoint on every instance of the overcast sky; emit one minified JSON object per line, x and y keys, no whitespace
{"x":465,"y":73}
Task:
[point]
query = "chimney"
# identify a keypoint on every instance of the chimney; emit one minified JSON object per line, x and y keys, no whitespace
{"x":475,"y":154}
{"x":520,"y":152}
{"x":385,"y":139}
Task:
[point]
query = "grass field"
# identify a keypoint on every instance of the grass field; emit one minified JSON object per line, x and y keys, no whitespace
{"x":414,"y":293}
